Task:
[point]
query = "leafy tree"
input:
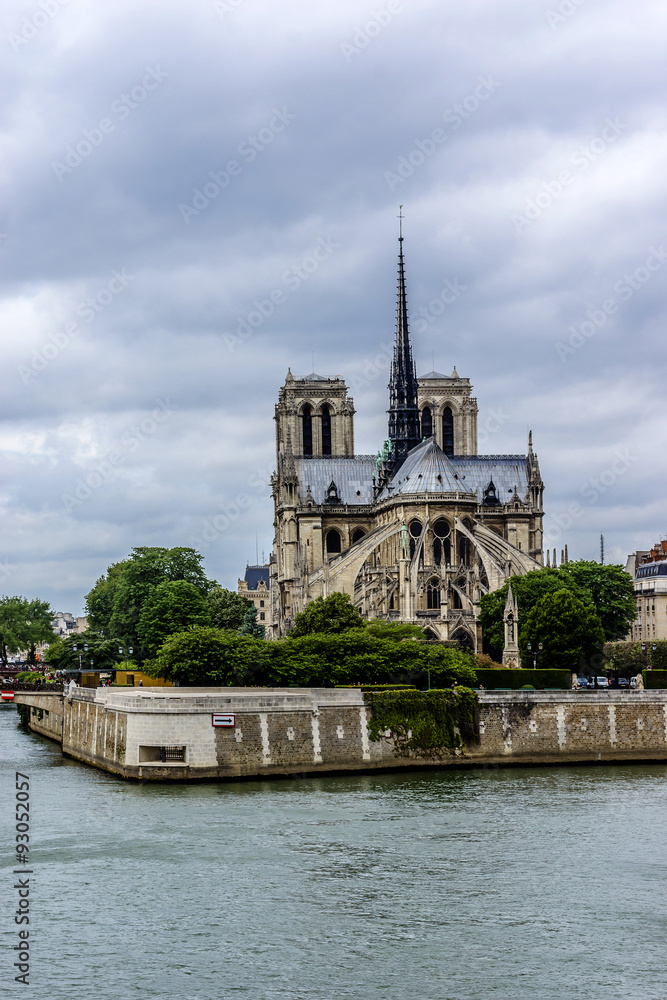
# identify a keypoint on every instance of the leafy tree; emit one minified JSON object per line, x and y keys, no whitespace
{"x":227,"y":609}
{"x":250,"y":624}
{"x":611,"y":590}
{"x":101,"y":653}
{"x":115,"y":603}
{"x":204,"y":655}
{"x":331,"y":615}
{"x":172,"y":606}
{"x":570,"y":632}
{"x":394,"y":631}
{"x":23,"y":624}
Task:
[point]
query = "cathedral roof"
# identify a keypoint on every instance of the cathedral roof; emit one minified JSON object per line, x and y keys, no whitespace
{"x":426,"y":470}
{"x":314,"y":378}
{"x":507,"y":472}
{"x":434,"y":375}
{"x":353,"y":478}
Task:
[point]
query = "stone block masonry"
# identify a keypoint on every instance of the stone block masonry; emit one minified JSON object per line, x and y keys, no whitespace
{"x":163,"y":734}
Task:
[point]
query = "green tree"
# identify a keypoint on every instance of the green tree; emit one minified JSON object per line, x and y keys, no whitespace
{"x":68,"y":653}
{"x":609,"y":588}
{"x":23,"y":624}
{"x":570,"y":632}
{"x":611,"y":591}
{"x":250,"y":624}
{"x":332,"y":615}
{"x":172,"y":606}
{"x":115,"y":603}
{"x":227,"y":609}
{"x":625,"y":659}
{"x":209,"y":656}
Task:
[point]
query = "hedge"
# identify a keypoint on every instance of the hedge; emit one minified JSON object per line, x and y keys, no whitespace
{"x":654,"y":679}
{"x":516,"y":679}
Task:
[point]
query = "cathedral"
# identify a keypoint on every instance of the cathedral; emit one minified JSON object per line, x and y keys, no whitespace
{"x":416,"y":533}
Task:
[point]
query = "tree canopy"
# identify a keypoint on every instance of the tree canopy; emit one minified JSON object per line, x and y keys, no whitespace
{"x":608,"y":588}
{"x":170,"y":607}
{"x":330,"y":615}
{"x":226,"y":608}
{"x":570,"y":632}
{"x":250,"y":625}
{"x":23,"y":624}
{"x":116,"y":602}
{"x":67,"y":653}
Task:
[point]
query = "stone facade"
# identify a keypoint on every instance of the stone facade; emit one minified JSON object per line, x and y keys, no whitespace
{"x":307,"y":731}
{"x":649,"y":572}
{"x":469,"y":521}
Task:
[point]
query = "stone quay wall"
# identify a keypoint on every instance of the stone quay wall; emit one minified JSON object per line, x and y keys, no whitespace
{"x":158,"y":733}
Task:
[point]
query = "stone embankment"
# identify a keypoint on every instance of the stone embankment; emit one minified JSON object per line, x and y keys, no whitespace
{"x":191,"y":733}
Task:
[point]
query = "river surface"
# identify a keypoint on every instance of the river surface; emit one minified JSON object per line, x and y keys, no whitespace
{"x":535,"y":883}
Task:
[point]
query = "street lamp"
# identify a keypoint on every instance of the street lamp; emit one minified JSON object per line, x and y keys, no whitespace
{"x":535,"y":652}
{"x":80,"y":649}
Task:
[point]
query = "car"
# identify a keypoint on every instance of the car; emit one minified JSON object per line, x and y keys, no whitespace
{"x":601,"y":682}
{"x":582,"y":682}
{"x":623,"y":682}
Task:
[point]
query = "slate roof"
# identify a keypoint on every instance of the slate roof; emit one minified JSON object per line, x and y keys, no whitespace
{"x":426,"y":470}
{"x":314,"y":378}
{"x":434,"y":375}
{"x":349,"y":474}
{"x":507,"y":471}
{"x":253,"y":574}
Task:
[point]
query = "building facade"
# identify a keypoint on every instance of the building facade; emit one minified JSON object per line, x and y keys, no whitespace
{"x":419,"y":531}
{"x":255,"y":587}
{"x":649,"y":572}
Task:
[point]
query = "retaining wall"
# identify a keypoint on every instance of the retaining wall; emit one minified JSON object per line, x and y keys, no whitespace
{"x":158,"y":733}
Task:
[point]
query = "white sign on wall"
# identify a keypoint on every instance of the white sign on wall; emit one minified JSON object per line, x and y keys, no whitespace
{"x":223,"y":721}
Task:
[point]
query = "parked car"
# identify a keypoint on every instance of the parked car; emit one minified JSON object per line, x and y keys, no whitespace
{"x":582,"y":682}
{"x":601,"y":682}
{"x":633,"y":682}
{"x":623,"y":682}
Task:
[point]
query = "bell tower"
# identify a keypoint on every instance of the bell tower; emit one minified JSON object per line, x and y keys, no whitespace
{"x":317,"y":416}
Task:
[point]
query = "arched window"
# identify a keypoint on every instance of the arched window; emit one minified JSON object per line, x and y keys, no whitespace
{"x":326,"y":430}
{"x":307,"y":429}
{"x":415,"y":532}
{"x":333,"y":541}
{"x":433,"y":595}
{"x":464,"y":550}
{"x":358,"y":535}
{"x":427,"y":422}
{"x":455,"y":600}
{"x":448,"y":431}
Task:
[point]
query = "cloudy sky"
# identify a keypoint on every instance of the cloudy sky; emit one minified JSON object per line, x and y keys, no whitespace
{"x":169,"y":166}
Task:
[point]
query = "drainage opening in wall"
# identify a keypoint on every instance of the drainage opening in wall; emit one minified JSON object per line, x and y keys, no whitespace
{"x":163,"y":755}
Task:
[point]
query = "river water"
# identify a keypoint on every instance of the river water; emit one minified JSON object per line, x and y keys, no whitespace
{"x":535,"y":883}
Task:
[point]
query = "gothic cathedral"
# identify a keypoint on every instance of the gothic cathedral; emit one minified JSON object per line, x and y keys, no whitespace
{"x":416,"y":533}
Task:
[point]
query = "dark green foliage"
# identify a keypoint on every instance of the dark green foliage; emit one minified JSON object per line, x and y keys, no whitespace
{"x":327,"y":615}
{"x":250,"y":624}
{"x":611,"y":591}
{"x":654,"y":679}
{"x":102,"y":653}
{"x":24,"y":716}
{"x":609,"y":588}
{"x":209,"y":656}
{"x":172,"y":606}
{"x":426,"y":723}
{"x":569,"y":630}
{"x":115,"y":603}
{"x":23,"y":624}
{"x":625,"y":659}
{"x":658,"y":656}
{"x":226,"y":608}
{"x":516,"y":679}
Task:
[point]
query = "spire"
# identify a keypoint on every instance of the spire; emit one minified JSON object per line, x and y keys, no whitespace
{"x":403,"y":409}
